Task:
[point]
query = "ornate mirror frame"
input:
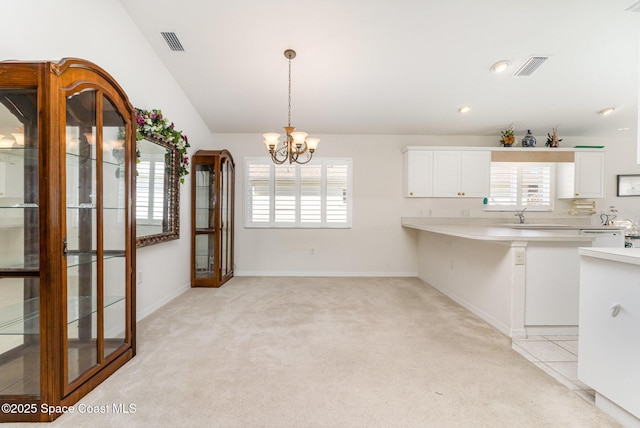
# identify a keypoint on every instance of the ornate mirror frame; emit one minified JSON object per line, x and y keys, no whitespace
{"x":171,"y":206}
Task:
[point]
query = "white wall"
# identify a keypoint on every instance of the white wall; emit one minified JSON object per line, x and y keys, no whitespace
{"x":102,"y":32}
{"x":377,"y":244}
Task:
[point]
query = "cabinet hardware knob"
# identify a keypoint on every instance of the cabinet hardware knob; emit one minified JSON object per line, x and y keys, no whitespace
{"x":615,"y":309}
{"x":411,"y":193}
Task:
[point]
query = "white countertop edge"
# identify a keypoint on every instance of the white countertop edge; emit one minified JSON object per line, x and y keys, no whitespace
{"x":494,"y":233}
{"x":622,"y":255}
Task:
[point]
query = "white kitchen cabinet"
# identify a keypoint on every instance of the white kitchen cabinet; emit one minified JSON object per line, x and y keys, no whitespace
{"x":609,"y":345}
{"x":584,"y":178}
{"x":461,"y":173}
{"x":418,"y":173}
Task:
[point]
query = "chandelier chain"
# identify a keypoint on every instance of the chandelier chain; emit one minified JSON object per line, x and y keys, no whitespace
{"x":289,"y":91}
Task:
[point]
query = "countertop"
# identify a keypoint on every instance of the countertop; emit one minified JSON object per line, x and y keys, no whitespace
{"x":623,"y":255}
{"x":504,"y":232}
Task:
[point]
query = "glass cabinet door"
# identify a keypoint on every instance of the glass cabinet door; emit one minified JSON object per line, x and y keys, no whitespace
{"x":19,"y":243}
{"x":95,"y":232}
{"x":205,"y":222}
{"x":226,"y":217}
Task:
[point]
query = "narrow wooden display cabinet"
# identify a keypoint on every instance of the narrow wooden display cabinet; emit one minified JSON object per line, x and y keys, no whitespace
{"x":212,"y":218}
{"x":67,"y":241}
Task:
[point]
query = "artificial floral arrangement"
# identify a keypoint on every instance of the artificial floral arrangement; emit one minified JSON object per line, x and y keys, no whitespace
{"x":552,"y":139}
{"x":153,"y":123}
{"x":507,"y":138}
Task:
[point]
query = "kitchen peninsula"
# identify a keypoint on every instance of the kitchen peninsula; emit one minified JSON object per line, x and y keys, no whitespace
{"x":521,"y":281}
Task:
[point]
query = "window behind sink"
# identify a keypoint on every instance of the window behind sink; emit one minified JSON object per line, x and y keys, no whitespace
{"x":518,"y":185}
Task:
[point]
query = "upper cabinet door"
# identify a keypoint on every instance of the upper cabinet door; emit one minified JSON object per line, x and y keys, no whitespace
{"x":583,"y":178}
{"x":461,"y":173}
{"x":446,"y":173}
{"x":475,"y":171}
{"x":589,"y":175}
{"x":418,"y":173}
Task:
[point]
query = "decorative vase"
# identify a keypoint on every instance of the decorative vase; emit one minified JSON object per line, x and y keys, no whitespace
{"x":529,"y":140}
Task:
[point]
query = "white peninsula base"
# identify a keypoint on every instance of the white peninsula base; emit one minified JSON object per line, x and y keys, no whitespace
{"x":522,"y":282}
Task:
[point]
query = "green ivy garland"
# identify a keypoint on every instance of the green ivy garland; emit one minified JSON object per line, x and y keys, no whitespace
{"x":153,"y":123}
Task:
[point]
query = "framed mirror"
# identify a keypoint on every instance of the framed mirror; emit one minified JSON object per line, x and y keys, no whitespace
{"x":157,"y":191}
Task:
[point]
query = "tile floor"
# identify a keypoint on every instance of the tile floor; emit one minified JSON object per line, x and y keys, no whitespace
{"x":558,"y":357}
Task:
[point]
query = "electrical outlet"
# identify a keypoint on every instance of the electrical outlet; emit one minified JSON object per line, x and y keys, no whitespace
{"x":466,"y":213}
{"x":139,"y":277}
{"x":519,"y":257}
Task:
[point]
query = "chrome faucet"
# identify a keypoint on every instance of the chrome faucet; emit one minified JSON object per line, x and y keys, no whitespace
{"x":520,"y":215}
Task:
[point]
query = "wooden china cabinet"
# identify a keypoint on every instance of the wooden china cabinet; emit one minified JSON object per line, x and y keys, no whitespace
{"x":67,"y":241}
{"x":212,"y":213}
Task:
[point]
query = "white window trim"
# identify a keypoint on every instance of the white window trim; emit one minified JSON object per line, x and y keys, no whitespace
{"x":297,"y":224}
{"x":519,"y":206}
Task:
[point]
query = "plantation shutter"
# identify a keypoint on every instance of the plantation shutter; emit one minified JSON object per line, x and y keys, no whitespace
{"x":285,"y":194}
{"x":311,"y":194}
{"x":143,"y":190}
{"x":158,"y":191}
{"x":337,"y":184}
{"x":317,"y":194}
{"x":259,"y":199}
{"x":519,"y":185}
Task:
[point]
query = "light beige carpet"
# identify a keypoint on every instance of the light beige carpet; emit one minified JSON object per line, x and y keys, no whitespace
{"x":328,"y":352}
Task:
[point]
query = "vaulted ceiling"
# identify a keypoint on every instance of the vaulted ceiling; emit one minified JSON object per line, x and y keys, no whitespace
{"x":402,"y":66}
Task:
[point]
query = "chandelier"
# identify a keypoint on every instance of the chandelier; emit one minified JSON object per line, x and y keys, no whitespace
{"x":295,"y":143}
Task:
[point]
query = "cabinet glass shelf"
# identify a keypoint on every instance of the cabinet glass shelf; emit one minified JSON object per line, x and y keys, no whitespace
{"x":13,"y":320}
{"x":74,"y":160}
{"x":92,"y":207}
{"x":205,"y":230}
{"x":73,"y":259}
{"x":19,"y":153}
{"x":77,"y":259}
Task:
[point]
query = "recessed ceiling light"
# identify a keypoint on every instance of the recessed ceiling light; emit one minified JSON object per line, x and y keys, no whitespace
{"x":464,"y":109}
{"x":623,"y":129}
{"x":500,"y":66}
{"x":606,"y":111}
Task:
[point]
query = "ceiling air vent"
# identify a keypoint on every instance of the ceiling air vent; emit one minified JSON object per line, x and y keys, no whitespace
{"x":172,"y":40}
{"x":531,"y":65}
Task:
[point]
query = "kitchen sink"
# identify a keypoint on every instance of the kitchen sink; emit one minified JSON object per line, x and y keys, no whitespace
{"x":538,"y":226}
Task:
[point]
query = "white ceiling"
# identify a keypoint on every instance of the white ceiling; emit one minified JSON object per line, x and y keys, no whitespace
{"x":402,"y":66}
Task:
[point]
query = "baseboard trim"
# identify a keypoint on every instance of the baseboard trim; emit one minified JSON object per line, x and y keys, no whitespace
{"x":326,"y":274}
{"x":501,"y":327}
{"x":552,"y":330}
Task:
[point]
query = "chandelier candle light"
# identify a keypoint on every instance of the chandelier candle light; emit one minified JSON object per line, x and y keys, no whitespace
{"x":296,"y":143}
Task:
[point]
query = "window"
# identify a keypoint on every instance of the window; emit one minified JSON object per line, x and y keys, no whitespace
{"x":150,"y":189}
{"x":317,"y":194}
{"x":518,"y":185}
